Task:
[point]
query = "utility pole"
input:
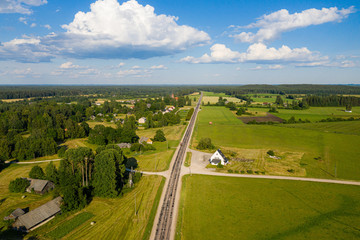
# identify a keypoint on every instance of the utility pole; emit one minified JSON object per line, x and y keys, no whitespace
{"x":135,"y":204}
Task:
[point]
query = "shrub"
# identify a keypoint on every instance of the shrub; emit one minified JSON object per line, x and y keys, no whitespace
{"x":257,"y":172}
{"x":291,"y":170}
{"x":61,"y":151}
{"x":37,"y":173}
{"x":242,"y":172}
{"x":249,"y":171}
{"x":136,"y":177}
{"x":160,"y":136}
{"x":205,"y":143}
{"x":271,"y":153}
{"x":220,"y":165}
{"x":230,"y":171}
{"x":263,"y":172}
{"x":18,"y":185}
{"x":236,"y":171}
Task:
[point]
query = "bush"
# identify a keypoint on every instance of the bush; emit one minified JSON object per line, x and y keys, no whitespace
{"x":257,"y":172}
{"x":271,"y":153}
{"x":230,"y":171}
{"x":37,"y":173}
{"x":291,"y":170}
{"x":249,"y":171}
{"x":18,"y":185}
{"x":136,"y":177}
{"x":205,"y":143}
{"x":61,"y":151}
{"x":160,"y":136}
{"x":220,"y":165}
{"x":236,"y":171}
{"x":242,"y":172}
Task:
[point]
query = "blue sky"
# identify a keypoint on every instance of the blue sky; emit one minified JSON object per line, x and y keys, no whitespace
{"x":179,"y":42}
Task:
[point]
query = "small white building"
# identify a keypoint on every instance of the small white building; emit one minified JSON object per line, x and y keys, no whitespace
{"x":142,"y":120}
{"x":218,"y":157}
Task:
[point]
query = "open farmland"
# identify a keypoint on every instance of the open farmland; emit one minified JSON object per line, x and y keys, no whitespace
{"x":115,"y":218}
{"x":313,"y":113}
{"x":213,"y":207}
{"x":324,"y":154}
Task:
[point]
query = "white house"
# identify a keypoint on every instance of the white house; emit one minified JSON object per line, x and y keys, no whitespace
{"x":142,"y":120}
{"x":218,"y":157}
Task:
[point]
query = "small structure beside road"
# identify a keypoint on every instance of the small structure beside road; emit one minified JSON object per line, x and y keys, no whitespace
{"x":218,"y":157}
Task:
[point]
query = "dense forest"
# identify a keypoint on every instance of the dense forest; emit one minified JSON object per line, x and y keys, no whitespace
{"x":126,"y":92}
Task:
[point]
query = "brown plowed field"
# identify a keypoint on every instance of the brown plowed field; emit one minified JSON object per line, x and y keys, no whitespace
{"x":268,"y":118}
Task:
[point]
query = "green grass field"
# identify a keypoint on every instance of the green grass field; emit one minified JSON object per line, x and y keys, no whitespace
{"x":313,"y":113}
{"x":213,"y":207}
{"x":348,"y":127}
{"x":339,"y":153}
{"x":114,"y":218}
{"x":159,"y":159}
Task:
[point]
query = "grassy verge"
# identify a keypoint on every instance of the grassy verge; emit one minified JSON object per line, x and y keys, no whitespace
{"x":70,"y":225}
{"x":187,"y":162}
{"x":154,"y":208}
{"x":266,"y":209}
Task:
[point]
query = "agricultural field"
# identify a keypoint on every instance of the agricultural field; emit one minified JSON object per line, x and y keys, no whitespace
{"x":159,"y":159}
{"x":114,"y":217}
{"x":93,"y":123}
{"x":79,"y":142}
{"x":214,"y":97}
{"x":260,"y":98}
{"x":312,"y":114}
{"x":348,"y":127}
{"x":321,"y":154}
{"x":213,"y":207}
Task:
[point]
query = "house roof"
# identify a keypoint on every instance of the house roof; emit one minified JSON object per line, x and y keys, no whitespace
{"x":219,"y":151}
{"x":143,"y":139}
{"x":37,"y":184}
{"x":40,"y":214}
{"x":17,"y":213}
{"x":124,"y":145}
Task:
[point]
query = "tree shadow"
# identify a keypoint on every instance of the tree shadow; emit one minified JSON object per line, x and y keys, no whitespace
{"x":347,"y":208}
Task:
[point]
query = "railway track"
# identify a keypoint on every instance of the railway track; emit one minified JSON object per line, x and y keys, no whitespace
{"x":163,"y":229}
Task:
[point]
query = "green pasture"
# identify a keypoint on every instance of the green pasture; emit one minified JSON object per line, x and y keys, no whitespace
{"x":213,"y":207}
{"x":325,"y":154}
{"x":346,"y":127}
{"x":313,"y":113}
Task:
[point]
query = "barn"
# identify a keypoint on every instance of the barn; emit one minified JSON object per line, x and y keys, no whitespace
{"x":39,"y":186}
{"x":218,"y":157}
{"x":35,"y":218}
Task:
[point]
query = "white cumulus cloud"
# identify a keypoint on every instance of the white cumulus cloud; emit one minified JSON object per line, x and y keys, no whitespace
{"x":19,"y":6}
{"x":272,"y":25}
{"x":158,"y":67}
{"x":257,"y":52}
{"x":113,"y":30}
{"x":69,"y":65}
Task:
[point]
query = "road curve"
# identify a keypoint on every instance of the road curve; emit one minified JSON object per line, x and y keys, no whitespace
{"x":166,"y":216}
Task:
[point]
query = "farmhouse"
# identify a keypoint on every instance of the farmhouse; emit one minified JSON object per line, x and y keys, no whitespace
{"x":39,"y":186}
{"x":124,"y":145}
{"x":38,"y":216}
{"x":142,"y":120}
{"x":145,"y":140}
{"x":218,"y":157}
